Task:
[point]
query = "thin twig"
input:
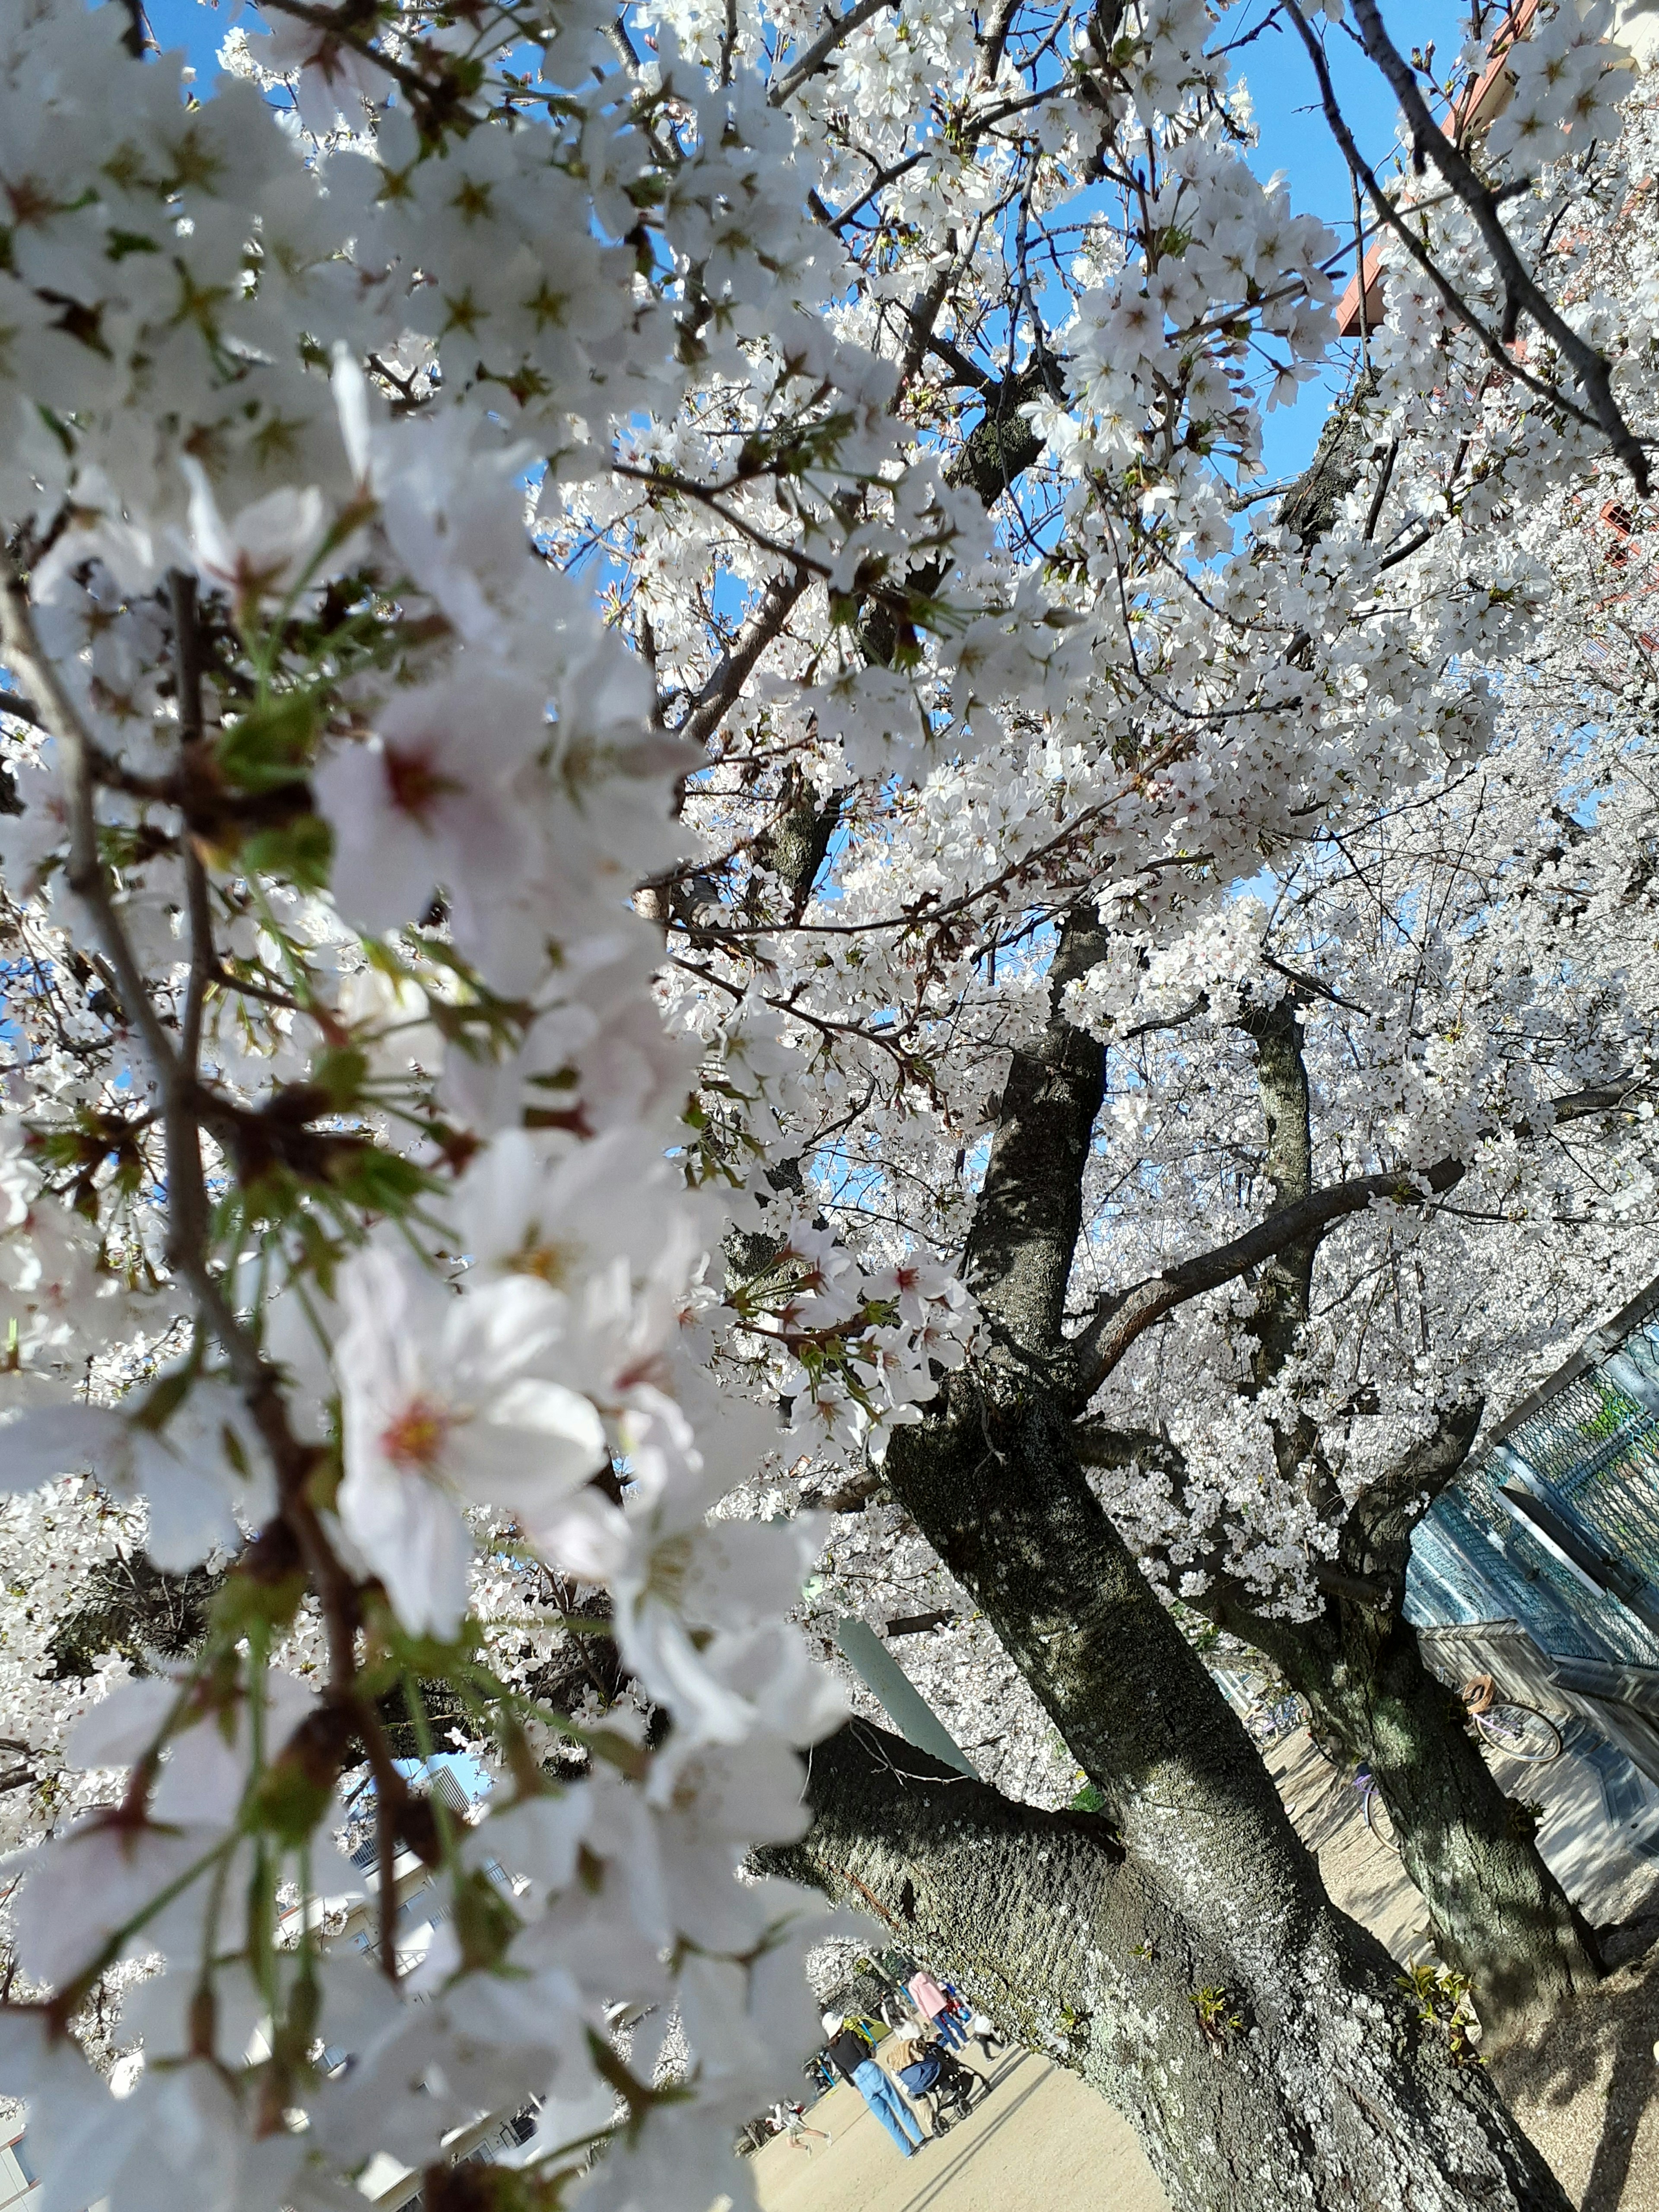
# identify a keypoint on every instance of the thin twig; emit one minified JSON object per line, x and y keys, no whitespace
{"x":1450,"y":297}
{"x":1122,"y":1315}
{"x":838,"y":28}
{"x":183,"y":1105}
{"x":337,"y":23}
{"x":187,"y":665}
{"x":1522,"y":295}
{"x":1385,"y":476}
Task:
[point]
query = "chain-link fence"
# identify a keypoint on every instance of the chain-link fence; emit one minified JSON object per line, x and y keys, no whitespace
{"x":1558,"y":1525}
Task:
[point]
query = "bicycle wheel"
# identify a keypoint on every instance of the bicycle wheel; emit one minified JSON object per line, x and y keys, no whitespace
{"x":1521,"y":1732}
{"x":1379,"y":1819}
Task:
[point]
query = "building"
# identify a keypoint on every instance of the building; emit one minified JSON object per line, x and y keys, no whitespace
{"x":1635,"y":29}
{"x":19,"y":2190}
{"x":1540,"y":1565}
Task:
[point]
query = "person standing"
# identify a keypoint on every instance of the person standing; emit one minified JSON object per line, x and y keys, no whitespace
{"x":931,"y":2001}
{"x":850,"y":2057}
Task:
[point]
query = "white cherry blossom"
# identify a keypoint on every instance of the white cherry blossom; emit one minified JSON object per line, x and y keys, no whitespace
{"x":446,"y":1403}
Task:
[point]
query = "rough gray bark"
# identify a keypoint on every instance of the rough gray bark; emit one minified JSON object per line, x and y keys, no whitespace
{"x":1330,"y":2092}
{"x":1031,"y":1211}
{"x":1352,"y":2102}
{"x":1306,"y":2090}
{"x":1499,"y":1913}
{"x":1002,"y":445}
{"x":1345,"y":445}
{"x":1286,"y":1279}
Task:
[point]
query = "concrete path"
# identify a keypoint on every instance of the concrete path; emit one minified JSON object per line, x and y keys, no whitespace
{"x":1584,"y":2087}
{"x":1038,"y":2143}
{"x":1611,"y":1872}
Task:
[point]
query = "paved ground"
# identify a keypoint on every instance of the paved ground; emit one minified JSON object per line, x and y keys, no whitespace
{"x":1362,"y":1875}
{"x":1611,"y":1873}
{"x":1039,"y":2142}
{"x":1584,"y":2092}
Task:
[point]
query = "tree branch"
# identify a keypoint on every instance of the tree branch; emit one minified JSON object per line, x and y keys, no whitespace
{"x":1098,"y":1444}
{"x":1376,"y":1535}
{"x":1122,"y":1315}
{"x":1522,"y":295}
{"x":1453,"y":300}
{"x":60,"y":715}
{"x":187,"y":663}
{"x":817,"y":54}
{"x":341,"y":24}
{"x":729,"y":679}
{"x":1286,"y":1285}
{"x":1025,"y":1226}
{"x":183,"y":1105}
{"x":993,"y":43}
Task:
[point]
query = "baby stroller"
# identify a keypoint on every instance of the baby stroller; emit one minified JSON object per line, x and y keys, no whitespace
{"x":939,"y":2081}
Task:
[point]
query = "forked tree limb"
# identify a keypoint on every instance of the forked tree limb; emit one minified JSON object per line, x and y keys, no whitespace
{"x":1122,"y":1315}
{"x":1521,"y":292}
{"x":1591,"y":368}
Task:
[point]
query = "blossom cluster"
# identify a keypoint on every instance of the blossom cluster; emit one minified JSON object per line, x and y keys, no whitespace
{"x":545,"y":745}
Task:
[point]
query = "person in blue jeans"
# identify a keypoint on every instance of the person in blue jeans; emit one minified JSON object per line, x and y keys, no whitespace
{"x":937,"y":2008}
{"x":850,"y":2057}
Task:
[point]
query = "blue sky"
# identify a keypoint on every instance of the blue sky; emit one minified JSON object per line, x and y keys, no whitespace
{"x":1294,"y":137}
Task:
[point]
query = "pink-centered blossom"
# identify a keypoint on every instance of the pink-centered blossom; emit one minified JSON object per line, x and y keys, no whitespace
{"x":424,"y":804}
{"x":446,"y":1404}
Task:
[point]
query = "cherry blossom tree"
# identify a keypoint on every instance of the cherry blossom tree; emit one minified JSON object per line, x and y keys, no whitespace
{"x":610,"y":627}
{"x":1434,"y":1047}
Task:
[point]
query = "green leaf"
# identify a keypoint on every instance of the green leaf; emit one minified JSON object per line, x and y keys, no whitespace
{"x":340,"y":1074}
{"x":290,"y":1798}
{"x":244,"y":1602}
{"x":300,"y":852}
{"x":379,"y":1181}
{"x":485,"y":1924}
{"x":165,"y":1397}
{"x":271,"y":745}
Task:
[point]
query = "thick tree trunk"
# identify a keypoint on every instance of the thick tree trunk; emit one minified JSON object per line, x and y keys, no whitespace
{"x":1266,"y":2051}
{"x":1080,"y":1952}
{"x":1500,"y":1914}
{"x":1335,"y":2094}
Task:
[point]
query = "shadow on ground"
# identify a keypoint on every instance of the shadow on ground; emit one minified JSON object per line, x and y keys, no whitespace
{"x":1584,"y":2086}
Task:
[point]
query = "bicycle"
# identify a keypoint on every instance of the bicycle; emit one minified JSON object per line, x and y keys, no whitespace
{"x":1378,"y":1818}
{"x":1270,"y":1722}
{"x":1519,"y":1731}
